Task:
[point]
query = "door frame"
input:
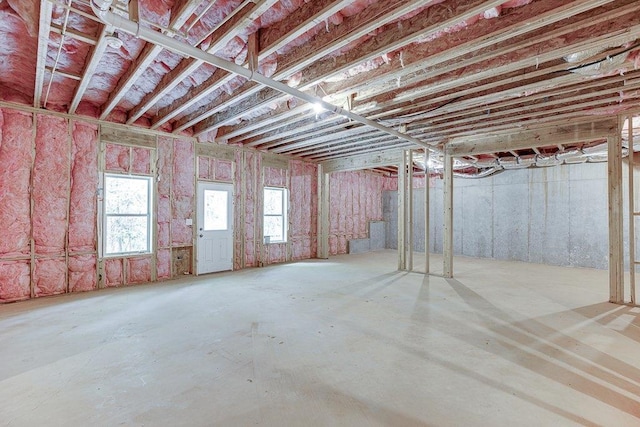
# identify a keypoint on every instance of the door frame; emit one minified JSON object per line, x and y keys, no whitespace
{"x":231,"y":207}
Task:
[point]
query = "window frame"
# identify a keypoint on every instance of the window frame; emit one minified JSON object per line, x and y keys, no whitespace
{"x":149,"y":215}
{"x":284,"y":215}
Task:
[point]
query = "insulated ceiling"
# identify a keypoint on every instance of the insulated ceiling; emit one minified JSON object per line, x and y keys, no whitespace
{"x":433,"y":70}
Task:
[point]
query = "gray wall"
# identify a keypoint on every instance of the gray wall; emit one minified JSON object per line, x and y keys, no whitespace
{"x":554,"y":215}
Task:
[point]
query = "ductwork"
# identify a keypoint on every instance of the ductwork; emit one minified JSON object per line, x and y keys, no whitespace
{"x":101,"y":10}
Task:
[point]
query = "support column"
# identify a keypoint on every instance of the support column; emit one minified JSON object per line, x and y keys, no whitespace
{"x":426,"y":211}
{"x":616,"y":263}
{"x":447,"y":246}
{"x":409,"y":210}
{"x":402,"y":216}
{"x":323,"y":214}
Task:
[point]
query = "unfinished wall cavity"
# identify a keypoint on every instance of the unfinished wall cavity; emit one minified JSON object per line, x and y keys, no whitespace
{"x":355,"y":199}
{"x":48,"y":184}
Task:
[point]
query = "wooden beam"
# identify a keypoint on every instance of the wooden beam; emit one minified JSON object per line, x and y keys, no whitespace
{"x":179,"y":16}
{"x":74,"y":34}
{"x":94,"y":59}
{"x":450,"y":46}
{"x":222,"y":36}
{"x":631,"y":213}
{"x":521,"y":139}
{"x":323,"y":213}
{"x":366,"y":161}
{"x":616,"y":243}
{"x":44,"y":26}
{"x":447,"y":244}
{"x":444,"y":15}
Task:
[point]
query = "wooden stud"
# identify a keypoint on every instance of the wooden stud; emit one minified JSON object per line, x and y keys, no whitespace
{"x":447,"y":270}
{"x":409,"y":210}
{"x":616,"y":264}
{"x":426,"y":212}
{"x":402,"y":194}
{"x":632,"y":216}
{"x":32,"y":243}
{"x":323,"y":214}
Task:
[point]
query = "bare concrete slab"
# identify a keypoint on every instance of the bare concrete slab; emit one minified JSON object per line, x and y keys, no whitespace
{"x":347,"y":341}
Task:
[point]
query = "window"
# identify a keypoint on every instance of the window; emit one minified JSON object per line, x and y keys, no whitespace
{"x":275,"y":214}
{"x":127,"y":214}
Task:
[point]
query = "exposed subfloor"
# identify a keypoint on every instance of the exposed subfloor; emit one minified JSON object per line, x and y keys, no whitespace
{"x":344,"y":342}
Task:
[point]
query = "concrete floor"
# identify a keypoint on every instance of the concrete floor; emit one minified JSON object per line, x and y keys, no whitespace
{"x":344,"y":342}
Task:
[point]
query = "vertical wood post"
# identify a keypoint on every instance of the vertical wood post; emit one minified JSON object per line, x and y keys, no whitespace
{"x":409,"y":211}
{"x":323,"y":214}
{"x":616,"y":263}
{"x":402,"y":217}
{"x":447,"y":249}
{"x":426,"y":211}
{"x":632,"y":215}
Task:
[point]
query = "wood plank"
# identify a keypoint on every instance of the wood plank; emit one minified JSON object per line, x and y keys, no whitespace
{"x":44,"y":26}
{"x":616,"y":245}
{"x":274,"y":161}
{"x":527,"y":138}
{"x":447,"y":244}
{"x":323,"y":213}
{"x":219,"y":151}
{"x":367,"y":161}
{"x":127,"y":137}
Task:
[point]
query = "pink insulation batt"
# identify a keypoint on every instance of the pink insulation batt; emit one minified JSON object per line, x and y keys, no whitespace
{"x":84,"y":185}
{"x":138,"y":270}
{"x":15,"y":280}
{"x":183,"y":192}
{"x":223,"y":170}
{"x":51,"y":185}
{"x":16,"y":135}
{"x":164,"y":171}
{"x":250,"y":175}
{"x":303,"y":196}
{"x":117,"y":158}
{"x":82,"y":273}
{"x":141,"y":161}
{"x":113,"y":272}
{"x":355,"y":199}
{"x":163,"y":264}
{"x":50,"y":277}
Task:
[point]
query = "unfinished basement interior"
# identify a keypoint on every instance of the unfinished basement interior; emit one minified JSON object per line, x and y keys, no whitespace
{"x":319,"y":212}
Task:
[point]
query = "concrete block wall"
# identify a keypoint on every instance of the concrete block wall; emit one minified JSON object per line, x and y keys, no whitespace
{"x":554,"y":216}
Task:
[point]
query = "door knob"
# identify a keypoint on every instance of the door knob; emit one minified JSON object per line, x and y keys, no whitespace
{"x":201,"y":235}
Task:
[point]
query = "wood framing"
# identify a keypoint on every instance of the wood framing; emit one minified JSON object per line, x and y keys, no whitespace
{"x":323,"y":213}
{"x":447,"y":239}
{"x":616,"y":238}
{"x":366,"y":161}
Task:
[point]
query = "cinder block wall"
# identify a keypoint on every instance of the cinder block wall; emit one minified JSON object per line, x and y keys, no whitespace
{"x":554,"y":216}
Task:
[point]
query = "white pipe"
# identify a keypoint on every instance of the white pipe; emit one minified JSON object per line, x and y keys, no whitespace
{"x":101,"y":9}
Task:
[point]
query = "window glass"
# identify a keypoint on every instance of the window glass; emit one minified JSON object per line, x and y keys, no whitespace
{"x":127,"y":212}
{"x":275,"y":214}
{"x":215,"y":210}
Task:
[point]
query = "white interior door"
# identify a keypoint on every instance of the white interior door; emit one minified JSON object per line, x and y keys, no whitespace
{"x":215,"y":227}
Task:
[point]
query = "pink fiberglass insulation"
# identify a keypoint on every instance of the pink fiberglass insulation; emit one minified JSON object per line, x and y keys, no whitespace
{"x":113,"y":273}
{"x":183,"y":192}
{"x":163,"y":264}
{"x":16,"y":134}
{"x":238,"y":236}
{"x":141,"y":161}
{"x":275,"y":177}
{"x":204,"y":168}
{"x":223,"y":170}
{"x":84,"y":185}
{"x":17,"y":51}
{"x":164,"y":171}
{"x":389,"y":183}
{"x":117,"y":158}
{"x":249,"y":193}
{"x":277,"y":252}
{"x":15,"y":277}
{"x":50,"y":185}
{"x":50,"y":277}
{"x":82,"y":273}
{"x":355,"y":199}
{"x":303,"y":196}
{"x":138,"y":270}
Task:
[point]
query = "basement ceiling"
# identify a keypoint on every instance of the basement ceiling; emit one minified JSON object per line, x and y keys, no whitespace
{"x":434,"y":70}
